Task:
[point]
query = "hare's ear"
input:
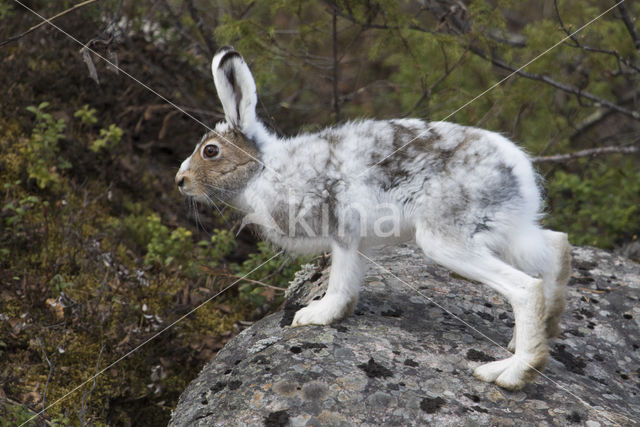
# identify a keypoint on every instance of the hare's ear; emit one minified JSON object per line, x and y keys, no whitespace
{"x":236,"y":88}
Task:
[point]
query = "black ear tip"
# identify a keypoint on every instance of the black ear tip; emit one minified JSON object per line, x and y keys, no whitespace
{"x":227,"y":56}
{"x":224,"y":49}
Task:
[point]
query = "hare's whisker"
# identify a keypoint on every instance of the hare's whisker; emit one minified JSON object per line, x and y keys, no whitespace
{"x":196,"y":215}
{"x":214,"y":204}
{"x":224,"y":190}
{"x":220,"y":211}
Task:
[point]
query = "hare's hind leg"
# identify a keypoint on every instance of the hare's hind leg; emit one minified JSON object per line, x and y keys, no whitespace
{"x":556,"y":283}
{"x":545,"y":254}
{"x":524,"y":293}
{"x":347,"y":269}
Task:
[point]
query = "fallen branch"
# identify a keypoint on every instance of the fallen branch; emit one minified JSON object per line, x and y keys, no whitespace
{"x":255,"y":282}
{"x":560,"y":158}
{"x":233,"y":276}
{"x":46,"y":21}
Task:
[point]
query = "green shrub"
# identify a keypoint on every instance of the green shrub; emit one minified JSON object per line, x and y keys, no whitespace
{"x":6,"y":10}
{"x":41,"y":153}
{"x":108,"y":139}
{"x":600,"y":206}
{"x":275,"y":273}
{"x":222,"y":243}
{"x":86,"y":115}
{"x":15,"y":415}
{"x":164,"y":247}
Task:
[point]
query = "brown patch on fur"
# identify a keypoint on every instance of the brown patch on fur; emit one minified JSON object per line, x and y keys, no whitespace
{"x":450,"y":154}
{"x":405,"y":142}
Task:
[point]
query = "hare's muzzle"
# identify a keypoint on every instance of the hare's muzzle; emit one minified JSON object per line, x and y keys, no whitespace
{"x":180,"y":181}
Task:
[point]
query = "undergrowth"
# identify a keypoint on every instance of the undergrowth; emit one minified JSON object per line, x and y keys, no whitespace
{"x":89,"y":278}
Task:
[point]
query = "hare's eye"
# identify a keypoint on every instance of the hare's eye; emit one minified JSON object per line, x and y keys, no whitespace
{"x":211,"y":151}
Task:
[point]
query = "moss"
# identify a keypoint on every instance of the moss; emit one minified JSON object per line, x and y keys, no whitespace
{"x":12,"y":414}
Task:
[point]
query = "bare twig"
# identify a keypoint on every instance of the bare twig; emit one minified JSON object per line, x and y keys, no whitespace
{"x":83,"y":405}
{"x":558,"y":85}
{"x":624,"y":12}
{"x":591,"y":121}
{"x":105,"y":38}
{"x":278,"y":270}
{"x":113,"y":20}
{"x":46,"y":386}
{"x":577,"y":44}
{"x":539,"y":77}
{"x":197,"y":18}
{"x":427,"y":92}
{"x":208,"y":46}
{"x":35,"y":27}
{"x":601,"y":151}
{"x":367,"y":23}
{"x":451,"y":16}
{"x":246,"y":279}
{"x":377,"y":83}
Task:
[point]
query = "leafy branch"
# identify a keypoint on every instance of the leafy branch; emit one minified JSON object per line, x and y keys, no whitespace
{"x":576,"y":43}
{"x":558,"y":85}
{"x":457,"y":23}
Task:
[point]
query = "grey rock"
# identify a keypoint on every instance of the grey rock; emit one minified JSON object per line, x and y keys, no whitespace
{"x":405,"y":357}
{"x":630,"y":250}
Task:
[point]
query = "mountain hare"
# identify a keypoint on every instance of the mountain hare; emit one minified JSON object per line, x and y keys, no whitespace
{"x":467,"y":196}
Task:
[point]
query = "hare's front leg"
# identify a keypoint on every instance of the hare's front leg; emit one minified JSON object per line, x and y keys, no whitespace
{"x":347,"y":268}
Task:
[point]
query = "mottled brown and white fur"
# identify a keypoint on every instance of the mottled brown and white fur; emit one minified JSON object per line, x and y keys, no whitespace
{"x":468,"y":197}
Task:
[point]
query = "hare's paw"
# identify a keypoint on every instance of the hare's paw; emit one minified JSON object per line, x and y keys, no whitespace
{"x":323,"y":312}
{"x":511,"y":373}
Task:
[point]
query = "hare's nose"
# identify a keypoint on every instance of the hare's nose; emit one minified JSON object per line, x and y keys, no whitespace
{"x":180,"y":181}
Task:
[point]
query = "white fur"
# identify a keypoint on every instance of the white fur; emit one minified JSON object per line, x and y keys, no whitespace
{"x":468,"y":197}
{"x":247,"y":119}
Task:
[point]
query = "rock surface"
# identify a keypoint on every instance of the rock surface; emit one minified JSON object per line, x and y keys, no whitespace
{"x":405,"y":357}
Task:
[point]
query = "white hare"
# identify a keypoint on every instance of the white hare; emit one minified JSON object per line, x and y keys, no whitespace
{"x":467,"y":196}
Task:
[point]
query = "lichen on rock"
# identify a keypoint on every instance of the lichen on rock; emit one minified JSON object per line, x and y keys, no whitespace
{"x":400,"y":359}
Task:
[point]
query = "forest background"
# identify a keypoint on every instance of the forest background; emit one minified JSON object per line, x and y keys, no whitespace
{"x":98,"y":251}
